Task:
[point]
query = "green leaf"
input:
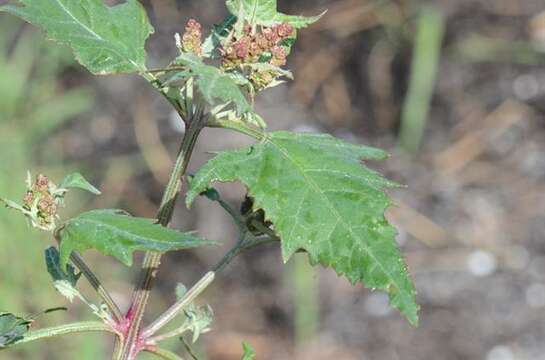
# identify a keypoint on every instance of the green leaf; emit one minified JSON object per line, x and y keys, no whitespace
{"x":249,"y":352}
{"x":114,"y":233}
{"x":216,"y":86}
{"x":321,"y":198}
{"x":264,"y":12}
{"x":198,"y":320}
{"x":12,"y":328}
{"x":218,"y":33}
{"x":76,"y":180}
{"x":52,"y":261}
{"x":13,"y":205}
{"x":106,"y":40}
{"x":64,"y":281}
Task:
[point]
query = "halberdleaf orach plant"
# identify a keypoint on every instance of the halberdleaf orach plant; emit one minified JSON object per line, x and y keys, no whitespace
{"x":305,"y":192}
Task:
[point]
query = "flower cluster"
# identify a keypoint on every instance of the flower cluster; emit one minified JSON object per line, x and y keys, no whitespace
{"x":267,"y":46}
{"x":192,"y":38}
{"x":42,"y":201}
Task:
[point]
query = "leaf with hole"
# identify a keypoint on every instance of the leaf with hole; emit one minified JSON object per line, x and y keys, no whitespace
{"x":321,"y":198}
{"x":106,"y":40}
{"x":114,"y":233}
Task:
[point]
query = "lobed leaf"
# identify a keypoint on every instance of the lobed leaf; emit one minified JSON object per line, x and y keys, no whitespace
{"x":106,"y":40}
{"x":321,"y":198}
{"x":264,"y":12}
{"x":114,"y":233}
{"x":216,"y":86}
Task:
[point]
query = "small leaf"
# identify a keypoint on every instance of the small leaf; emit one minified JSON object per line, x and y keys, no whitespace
{"x":249,"y":352}
{"x":12,"y":328}
{"x":106,"y":40}
{"x":322,"y":199}
{"x":77,"y":181}
{"x":216,"y":86}
{"x":198,"y":320}
{"x":52,"y":261}
{"x":264,"y":12}
{"x":219,"y":32}
{"x":181,"y":290}
{"x":13,"y":205}
{"x":64,"y":281}
{"x":114,"y":233}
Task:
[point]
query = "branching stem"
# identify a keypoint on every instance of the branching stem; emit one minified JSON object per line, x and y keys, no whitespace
{"x":175,"y":309}
{"x":152,"y":260}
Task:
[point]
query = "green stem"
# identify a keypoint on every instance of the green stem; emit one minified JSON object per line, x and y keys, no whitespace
{"x":174,"y":333}
{"x":175,"y":309}
{"x":163,"y":354}
{"x":158,"y":85}
{"x":152,"y":260}
{"x":97,"y":285}
{"x":80,"y":327}
{"x":93,"y":280}
{"x":237,"y":217}
{"x":201,"y":285}
{"x":238,"y":126}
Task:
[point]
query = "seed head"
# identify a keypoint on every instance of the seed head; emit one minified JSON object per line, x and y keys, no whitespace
{"x":284,"y":30}
{"x":42,"y":183}
{"x":192,"y":38}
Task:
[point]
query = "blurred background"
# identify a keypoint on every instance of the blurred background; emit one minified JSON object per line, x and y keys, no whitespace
{"x":454,"y":90}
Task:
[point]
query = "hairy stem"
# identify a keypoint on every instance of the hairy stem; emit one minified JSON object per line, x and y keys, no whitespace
{"x":97,"y":285}
{"x":80,"y":327}
{"x":78,"y":261}
{"x":200,"y":286}
{"x":175,"y":309}
{"x":152,"y":260}
{"x":174,"y":333}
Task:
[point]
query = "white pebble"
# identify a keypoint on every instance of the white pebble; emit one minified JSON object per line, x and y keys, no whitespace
{"x":481,"y":263}
{"x":500,"y":352}
{"x":526,"y":87}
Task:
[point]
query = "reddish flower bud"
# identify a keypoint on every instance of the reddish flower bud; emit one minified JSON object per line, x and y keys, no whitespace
{"x":29,"y":198}
{"x":284,"y":30}
{"x":270,"y":35}
{"x":191,"y":40}
{"x":47,"y":205}
{"x":42,"y":182}
{"x":242,"y":48}
{"x":193,"y":25}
